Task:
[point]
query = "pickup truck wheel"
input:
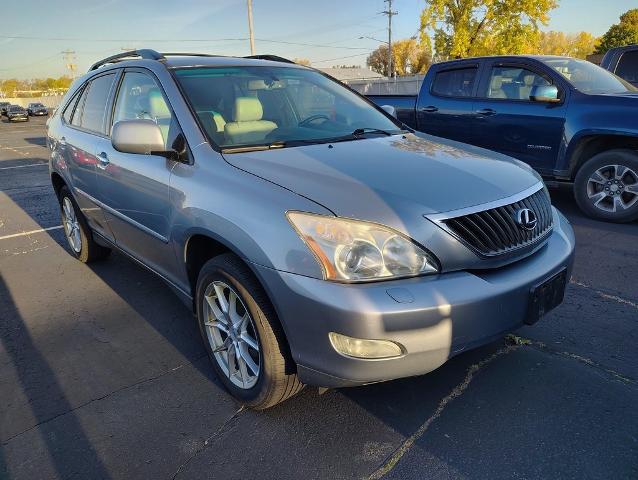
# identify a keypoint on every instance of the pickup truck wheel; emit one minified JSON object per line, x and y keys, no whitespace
{"x":77,"y":231}
{"x":606,"y":186}
{"x":242,"y":334}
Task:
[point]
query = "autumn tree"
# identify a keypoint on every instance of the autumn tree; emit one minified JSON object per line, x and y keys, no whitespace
{"x":302,"y":61}
{"x":577,"y":45}
{"x":620,"y":34}
{"x":466,"y":28}
{"x":409,"y":56}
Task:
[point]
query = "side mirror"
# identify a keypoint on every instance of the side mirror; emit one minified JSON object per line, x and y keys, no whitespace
{"x":390,"y":110}
{"x":544,"y":93}
{"x":141,"y":136}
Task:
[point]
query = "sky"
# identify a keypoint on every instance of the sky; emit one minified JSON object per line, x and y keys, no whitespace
{"x":327,"y":32}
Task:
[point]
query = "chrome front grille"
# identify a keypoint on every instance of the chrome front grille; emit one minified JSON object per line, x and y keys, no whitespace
{"x":497,"y":231}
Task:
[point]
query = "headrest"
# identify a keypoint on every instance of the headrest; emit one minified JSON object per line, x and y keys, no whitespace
{"x":496,"y":82}
{"x":157,"y":104}
{"x":247,"y":109}
{"x":528,"y":80}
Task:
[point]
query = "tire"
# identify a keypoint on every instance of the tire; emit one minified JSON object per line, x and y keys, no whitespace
{"x":606,"y":186}
{"x":77,"y":231}
{"x":275,"y":380}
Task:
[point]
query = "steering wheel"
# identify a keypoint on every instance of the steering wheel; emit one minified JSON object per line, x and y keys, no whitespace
{"x":313,"y":118}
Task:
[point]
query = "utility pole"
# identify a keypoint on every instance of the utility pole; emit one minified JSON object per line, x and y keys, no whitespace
{"x":389,"y":13}
{"x":69,"y":61}
{"x":250,"y":27}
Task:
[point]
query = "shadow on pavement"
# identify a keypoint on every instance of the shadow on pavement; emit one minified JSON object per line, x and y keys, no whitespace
{"x":30,"y":367}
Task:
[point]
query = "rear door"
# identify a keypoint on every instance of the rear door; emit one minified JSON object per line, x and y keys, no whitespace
{"x":83,"y":126}
{"x":133,"y":188}
{"x":445,"y":107}
{"x":510,"y":123}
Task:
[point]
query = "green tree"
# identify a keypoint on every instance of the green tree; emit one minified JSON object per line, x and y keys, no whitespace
{"x":620,"y":34}
{"x":465,"y":28}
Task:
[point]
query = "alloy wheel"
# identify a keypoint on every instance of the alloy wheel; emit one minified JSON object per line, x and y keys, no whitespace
{"x":231,"y":334}
{"x":71,"y":225}
{"x":613,"y":188}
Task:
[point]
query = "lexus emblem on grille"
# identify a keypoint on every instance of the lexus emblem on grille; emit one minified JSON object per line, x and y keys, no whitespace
{"x":526,"y":219}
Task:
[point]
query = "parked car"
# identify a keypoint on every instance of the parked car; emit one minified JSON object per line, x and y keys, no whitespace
{"x":569,"y":119}
{"x":15,"y":113}
{"x":3,"y":107}
{"x":316,"y":241}
{"x":623,"y":61}
{"x":37,"y":109}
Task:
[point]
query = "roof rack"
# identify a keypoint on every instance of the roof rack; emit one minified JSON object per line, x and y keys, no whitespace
{"x":149,"y":54}
{"x":273,"y":58}
{"x":145,"y":53}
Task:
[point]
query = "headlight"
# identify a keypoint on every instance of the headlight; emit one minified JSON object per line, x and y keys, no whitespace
{"x":354,"y":251}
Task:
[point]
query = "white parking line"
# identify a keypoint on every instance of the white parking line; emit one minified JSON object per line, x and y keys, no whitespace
{"x":25,"y":166}
{"x":22,"y":234}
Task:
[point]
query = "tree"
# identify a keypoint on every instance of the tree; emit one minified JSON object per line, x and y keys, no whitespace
{"x":408,"y":57}
{"x":572,"y":45}
{"x":620,"y":34}
{"x":484,"y":27}
{"x":302,"y":61}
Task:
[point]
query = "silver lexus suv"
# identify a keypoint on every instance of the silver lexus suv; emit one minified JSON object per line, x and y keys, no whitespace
{"x":317,"y":240}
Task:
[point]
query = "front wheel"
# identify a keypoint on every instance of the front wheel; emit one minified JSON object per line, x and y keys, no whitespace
{"x":242,"y":334}
{"x":606,"y":186}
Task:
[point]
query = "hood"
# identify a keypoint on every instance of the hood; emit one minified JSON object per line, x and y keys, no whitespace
{"x":385,"y":179}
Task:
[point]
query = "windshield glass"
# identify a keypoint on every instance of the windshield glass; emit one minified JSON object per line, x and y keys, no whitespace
{"x":250,"y":106}
{"x":587,"y":77}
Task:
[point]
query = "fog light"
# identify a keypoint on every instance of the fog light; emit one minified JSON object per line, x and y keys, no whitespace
{"x":364,"y":348}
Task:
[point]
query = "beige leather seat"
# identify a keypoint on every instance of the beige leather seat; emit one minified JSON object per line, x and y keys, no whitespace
{"x":159,"y":111}
{"x":526,"y":88}
{"x":247,"y":125}
{"x":496,"y":87}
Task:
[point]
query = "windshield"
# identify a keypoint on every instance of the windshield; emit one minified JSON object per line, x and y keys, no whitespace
{"x":15,"y":108}
{"x":251,"y":106}
{"x":587,"y":77}
{"x":37,"y":105}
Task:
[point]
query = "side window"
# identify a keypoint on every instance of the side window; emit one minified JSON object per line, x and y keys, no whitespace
{"x":94,"y":107}
{"x":455,"y":83}
{"x":76,"y":114}
{"x":513,"y":83}
{"x":139,"y":97}
{"x":628,"y":66}
{"x":68,"y":111}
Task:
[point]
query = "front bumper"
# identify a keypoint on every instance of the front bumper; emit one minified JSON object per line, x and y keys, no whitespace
{"x":432,"y":317}
{"x":38,"y":113}
{"x":13,"y":118}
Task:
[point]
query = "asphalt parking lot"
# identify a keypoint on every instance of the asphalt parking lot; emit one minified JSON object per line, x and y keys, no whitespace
{"x":103,"y":374}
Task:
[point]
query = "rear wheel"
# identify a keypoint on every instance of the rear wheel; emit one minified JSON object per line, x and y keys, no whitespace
{"x":606,"y":186}
{"x":77,"y":231}
{"x":242,"y":334}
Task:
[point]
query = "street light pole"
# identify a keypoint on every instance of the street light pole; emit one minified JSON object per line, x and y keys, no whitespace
{"x":250,"y":27}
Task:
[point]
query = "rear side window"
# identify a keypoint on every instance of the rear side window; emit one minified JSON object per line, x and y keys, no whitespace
{"x":94,"y":106}
{"x":628,"y":66}
{"x":455,"y":83}
{"x":68,"y":111}
{"x":76,"y":115}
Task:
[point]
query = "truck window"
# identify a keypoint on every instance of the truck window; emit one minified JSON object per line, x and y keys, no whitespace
{"x":455,"y":83}
{"x":628,"y":66}
{"x":513,"y":83}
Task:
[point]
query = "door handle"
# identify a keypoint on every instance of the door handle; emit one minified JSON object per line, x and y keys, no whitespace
{"x":430,"y":109}
{"x":486,"y":112}
{"x":103,"y":160}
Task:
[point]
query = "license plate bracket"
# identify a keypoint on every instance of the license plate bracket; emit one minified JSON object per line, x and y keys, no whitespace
{"x":546,"y":296}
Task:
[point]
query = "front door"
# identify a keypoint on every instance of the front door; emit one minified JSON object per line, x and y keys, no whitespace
{"x":134,"y":188}
{"x":510,"y":123}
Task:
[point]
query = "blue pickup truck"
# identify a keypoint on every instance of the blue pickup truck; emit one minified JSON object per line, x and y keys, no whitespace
{"x":569,"y":119}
